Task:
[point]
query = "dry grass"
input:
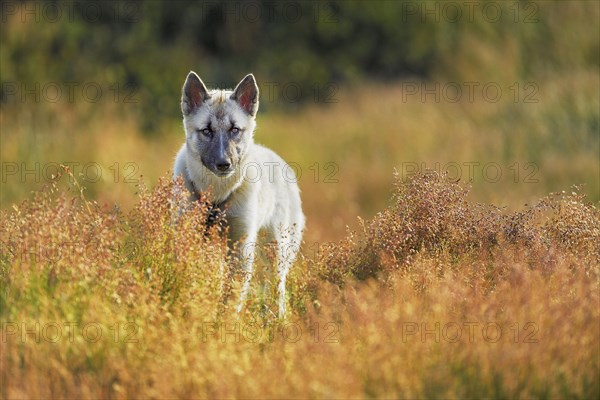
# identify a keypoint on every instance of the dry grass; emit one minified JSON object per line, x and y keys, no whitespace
{"x":440,"y":289}
{"x":435,"y":297}
{"x":432,"y":215}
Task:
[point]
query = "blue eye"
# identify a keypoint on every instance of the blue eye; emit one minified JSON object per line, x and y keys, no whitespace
{"x":235,"y":130}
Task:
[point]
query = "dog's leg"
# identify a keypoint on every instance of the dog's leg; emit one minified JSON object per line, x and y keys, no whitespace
{"x":283,"y":267}
{"x":246,"y":259}
{"x":287,"y":249}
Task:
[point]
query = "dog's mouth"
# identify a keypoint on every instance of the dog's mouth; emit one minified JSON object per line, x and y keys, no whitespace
{"x":223,"y":174}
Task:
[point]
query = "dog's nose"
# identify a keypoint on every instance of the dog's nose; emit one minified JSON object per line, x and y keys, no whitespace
{"x":223,"y":166}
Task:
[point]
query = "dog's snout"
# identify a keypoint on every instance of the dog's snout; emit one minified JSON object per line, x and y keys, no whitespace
{"x":223,"y":165}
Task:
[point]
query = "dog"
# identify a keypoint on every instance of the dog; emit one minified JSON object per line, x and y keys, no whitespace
{"x":255,"y":187}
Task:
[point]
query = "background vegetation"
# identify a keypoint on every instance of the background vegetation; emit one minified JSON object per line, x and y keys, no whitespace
{"x":350,"y":92}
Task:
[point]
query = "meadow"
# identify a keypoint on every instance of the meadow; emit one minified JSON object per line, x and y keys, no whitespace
{"x":452,"y":247}
{"x":435,"y":297}
{"x":434,"y":293}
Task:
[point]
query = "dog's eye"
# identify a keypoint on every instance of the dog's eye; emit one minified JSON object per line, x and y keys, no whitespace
{"x":235,"y":130}
{"x":205,"y":132}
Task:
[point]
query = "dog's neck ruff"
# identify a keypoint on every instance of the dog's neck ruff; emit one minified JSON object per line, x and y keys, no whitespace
{"x":216,"y":210}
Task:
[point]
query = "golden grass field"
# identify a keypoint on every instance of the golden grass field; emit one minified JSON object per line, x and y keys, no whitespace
{"x":452,"y":247}
{"x":430,"y":294}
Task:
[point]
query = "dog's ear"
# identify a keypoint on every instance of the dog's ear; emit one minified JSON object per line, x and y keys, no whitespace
{"x":194,"y":93}
{"x":246,"y":95}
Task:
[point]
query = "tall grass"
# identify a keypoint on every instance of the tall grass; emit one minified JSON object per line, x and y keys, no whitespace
{"x":435,"y":297}
{"x":467,"y":281}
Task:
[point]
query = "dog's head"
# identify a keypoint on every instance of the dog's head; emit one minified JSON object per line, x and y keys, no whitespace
{"x":219,"y":124}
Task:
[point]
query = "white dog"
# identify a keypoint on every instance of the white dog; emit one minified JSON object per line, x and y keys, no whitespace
{"x":255,"y":187}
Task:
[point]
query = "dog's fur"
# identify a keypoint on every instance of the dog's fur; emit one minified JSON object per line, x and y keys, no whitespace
{"x":255,"y":187}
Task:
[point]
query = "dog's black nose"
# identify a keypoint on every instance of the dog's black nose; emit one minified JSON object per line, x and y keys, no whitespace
{"x":223,"y":166}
